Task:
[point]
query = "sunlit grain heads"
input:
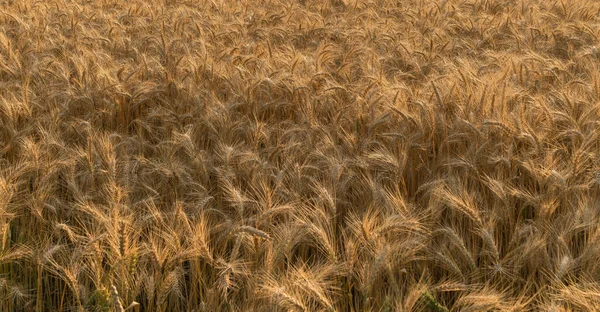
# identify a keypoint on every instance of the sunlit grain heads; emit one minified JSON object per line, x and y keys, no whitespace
{"x":454,"y":253}
{"x":457,"y":199}
{"x":252,"y":157}
{"x":484,"y":298}
{"x":282,"y":296}
{"x":230,"y":276}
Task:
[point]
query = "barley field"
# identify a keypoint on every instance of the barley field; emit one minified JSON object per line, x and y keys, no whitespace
{"x":305,"y":155}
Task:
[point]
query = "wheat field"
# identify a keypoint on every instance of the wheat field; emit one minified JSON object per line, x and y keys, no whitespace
{"x":306,"y":155}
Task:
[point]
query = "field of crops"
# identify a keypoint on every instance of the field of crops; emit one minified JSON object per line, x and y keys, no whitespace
{"x":305,"y":155}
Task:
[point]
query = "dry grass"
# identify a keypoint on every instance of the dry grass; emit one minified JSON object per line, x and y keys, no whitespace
{"x":363,"y":155}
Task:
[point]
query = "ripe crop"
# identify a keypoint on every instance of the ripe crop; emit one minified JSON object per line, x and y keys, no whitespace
{"x":306,"y":155}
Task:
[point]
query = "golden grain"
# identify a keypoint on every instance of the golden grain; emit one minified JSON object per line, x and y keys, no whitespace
{"x":364,"y":155}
